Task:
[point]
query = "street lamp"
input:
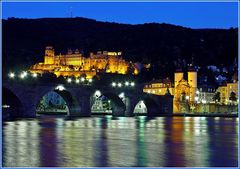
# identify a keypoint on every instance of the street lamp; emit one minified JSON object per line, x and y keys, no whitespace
{"x":34,"y":75}
{"x":114,"y":84}
{"x":126,"y":83}
{"x":119,"y":84}
{"x":132,"y":84}
{"x":23,"y":75}
{"x":82,"y":79}
{"x":69,"y":80}
{"x":77,"y":81}
{"x":90,"y":80}
{"x":11,"y":75}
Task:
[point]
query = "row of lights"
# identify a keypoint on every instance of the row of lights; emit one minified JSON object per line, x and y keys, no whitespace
{"x":119,"y":84}
{"x":22,"y":75}
{"x":82,"y":79}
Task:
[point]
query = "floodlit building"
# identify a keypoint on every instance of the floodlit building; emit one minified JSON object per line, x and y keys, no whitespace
{"x":183,"y":90}
{"x":225,"y":91}
{"x":159,"y":87}
{"x":75,"y":64}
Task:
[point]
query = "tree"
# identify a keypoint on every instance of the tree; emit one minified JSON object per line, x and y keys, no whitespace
{"x":233,"y":97}
{"x":217,"y":97}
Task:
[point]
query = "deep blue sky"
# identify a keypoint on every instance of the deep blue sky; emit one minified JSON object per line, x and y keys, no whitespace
{"x":188,"y":14}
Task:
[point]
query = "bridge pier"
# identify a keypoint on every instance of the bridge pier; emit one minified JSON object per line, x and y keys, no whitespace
{"x":130,"y":105}
{"x":29,"y":107}
{"x":82,"y":108}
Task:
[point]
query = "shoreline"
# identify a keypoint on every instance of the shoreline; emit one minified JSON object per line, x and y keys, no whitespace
{"x":104,"y":115}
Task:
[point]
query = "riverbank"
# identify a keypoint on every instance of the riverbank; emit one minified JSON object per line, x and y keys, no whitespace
{"x":205,"y":115}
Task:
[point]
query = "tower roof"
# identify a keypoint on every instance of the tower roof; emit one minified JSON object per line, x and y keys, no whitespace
{"x":192,"y":68}
{"x":179,"y":70}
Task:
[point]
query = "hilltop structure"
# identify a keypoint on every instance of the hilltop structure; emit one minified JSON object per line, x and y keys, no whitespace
{"x":75,"y":64}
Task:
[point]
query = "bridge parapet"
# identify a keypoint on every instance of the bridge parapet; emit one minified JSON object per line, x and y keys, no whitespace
{"x":78,"y":98}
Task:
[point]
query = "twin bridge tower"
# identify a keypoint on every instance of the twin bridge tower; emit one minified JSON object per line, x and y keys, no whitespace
{"x":23,"y":99}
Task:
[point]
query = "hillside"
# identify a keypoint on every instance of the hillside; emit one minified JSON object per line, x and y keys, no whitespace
{"x":24,"y":41}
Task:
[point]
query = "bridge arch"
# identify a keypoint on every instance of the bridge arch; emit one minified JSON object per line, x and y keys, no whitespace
{"x":150,"y":105}
{"x":71,"y":102}
{"x":117,"y":105}
{"x":12,"y":105}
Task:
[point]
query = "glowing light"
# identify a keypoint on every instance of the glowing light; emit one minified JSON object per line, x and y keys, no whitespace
{"x":82,"y":79}
{"x":132,"y":84}
{"x":154,"y":91}
{"x":197,"y":92}
{"x":23,"y":75}
{"x":77,"y":81}
{"x":196,"y":98}
{"x":90,"y":80}
{"x":114,"y":84}
{"x":11,"y":75}
{"x":97,"y":93}
{"x":34,"y":75}
{"x":69,"y":80}
{"x":204,"y":101}
{"x":127,"y":83}
{"x":119,"y":84}
{"x":122,"y":95}
{"x":187,"y":97}
{"x":60,"y":88}
{"x":148,"y":91}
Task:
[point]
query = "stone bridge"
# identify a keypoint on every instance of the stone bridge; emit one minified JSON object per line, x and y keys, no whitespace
{"x":24,"y":97}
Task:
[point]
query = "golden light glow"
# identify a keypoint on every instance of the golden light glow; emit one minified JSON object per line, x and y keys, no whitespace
{"x":75,"y":64}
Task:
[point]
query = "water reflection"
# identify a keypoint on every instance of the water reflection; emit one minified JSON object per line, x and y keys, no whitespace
{"x":121,"y":142}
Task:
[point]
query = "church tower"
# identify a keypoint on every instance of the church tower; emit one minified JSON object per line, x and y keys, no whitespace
{"x":178,"y":75}
{"x":49,"y":55}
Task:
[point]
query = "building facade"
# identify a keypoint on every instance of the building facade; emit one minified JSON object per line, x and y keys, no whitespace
{"x":183,"y":90}
{"x":75,"y":64}
{"x":226,"y":90}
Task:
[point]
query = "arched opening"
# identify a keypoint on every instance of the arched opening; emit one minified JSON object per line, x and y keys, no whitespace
{"x":146,"y":106}
{"x":140,"y":108}
{"x":11,"y":105}
{"x":107,"y":103}
{"x":57,"y":102}
{"x":52,"y":104}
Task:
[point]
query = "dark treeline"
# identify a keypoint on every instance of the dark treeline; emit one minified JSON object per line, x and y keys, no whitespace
{"x":24,"y":41}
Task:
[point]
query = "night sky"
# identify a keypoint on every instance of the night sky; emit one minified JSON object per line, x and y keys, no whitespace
{"x":188,"y":14}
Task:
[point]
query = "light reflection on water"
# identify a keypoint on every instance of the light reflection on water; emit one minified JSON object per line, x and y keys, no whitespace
{"x":121,"y":142}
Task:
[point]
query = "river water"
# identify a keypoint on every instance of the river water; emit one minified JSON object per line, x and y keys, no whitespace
{"x":121,"y":142}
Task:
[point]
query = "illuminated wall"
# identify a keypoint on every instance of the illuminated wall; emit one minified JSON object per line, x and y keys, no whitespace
{"x":75,"y":64}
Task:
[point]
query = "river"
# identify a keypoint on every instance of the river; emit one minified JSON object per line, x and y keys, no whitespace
{"x":50,"y":141}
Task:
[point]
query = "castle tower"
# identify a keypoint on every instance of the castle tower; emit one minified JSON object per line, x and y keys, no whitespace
{"x":49,"y":55}
{"x":178,"y":75}
{"x":192,"y":80}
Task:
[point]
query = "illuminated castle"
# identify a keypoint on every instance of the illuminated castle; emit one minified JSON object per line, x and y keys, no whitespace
{"x":75,"y":64}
